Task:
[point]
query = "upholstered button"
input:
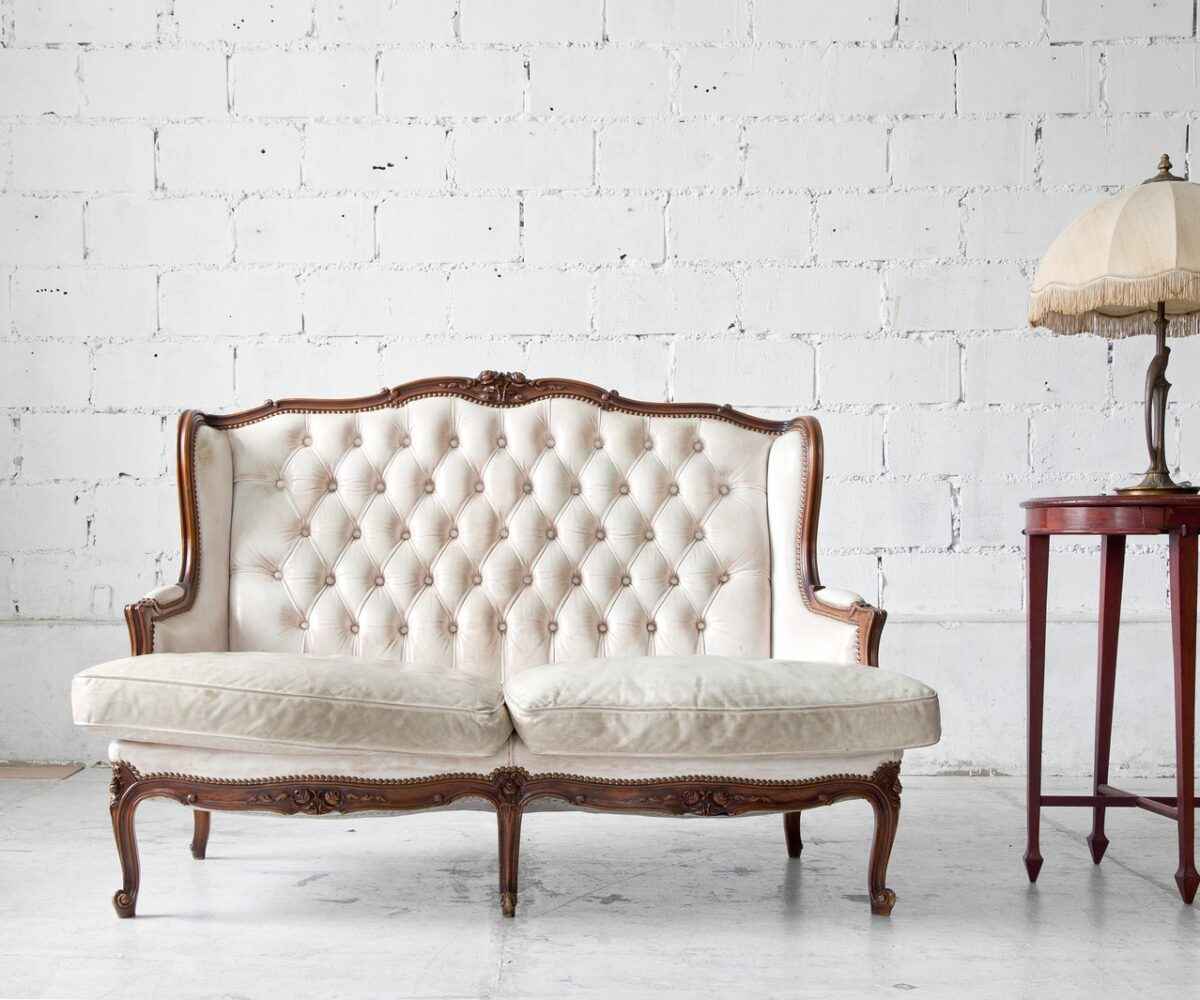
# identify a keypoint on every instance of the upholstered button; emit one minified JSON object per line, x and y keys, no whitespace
{"x":673,"y":489}
{"x":379,"y":581}
{"x":452,"y":628}
{"x":479,"y":487}
{"x":332,"y":486}
{"x":723,"y":490}
{"x":306,"y":440}
{"x":624,"y":489}
{"x":280,"y":484}
{"x":380,"y":486}
{"x":428,"y":485}
{"x":501,"y":441}
{"x":405,"y":441}
{"x":698,"y":446}
{"x":648,"y":444}
{"x":602,"y":627}
{"x":305,"y":531}
{"x":576,"y":579}
{"x":454,"y":442}
{"x":598,"y":443}
{"x":405,"y":535}
{"x":356,"y":533}
{"x":576,"y":489}
{"x":651,"y":627}
{"x":357,"y":441}
{"x":330,"y":580}
{"x":303,"y":625}
{"x":453,"y":532}
{"x":700,"y":625}
{"x":527,"y":579}
{"x":723,"y":578}
{"x":626,"y":581}
{"x":503,"y":532}
{"x":673,"y":580}
{"x":278,"y":575}
{"x":549,"y":442}
{"x":428,"y":581}
{"x":551,"y":533}
{"x":354,"y":628}
{"x":649,"y":536}
{"x":552,"y":627}
{"x":527,"y":487}
{"x":477,"y":579}
{"x":502,"y":627}
{"x":698,"y":534}
{"x":601,"y":534}
{"x":403,"y":630}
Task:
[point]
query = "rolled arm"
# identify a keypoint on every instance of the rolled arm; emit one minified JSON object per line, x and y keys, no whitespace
{"x":809,"y":621}
{"x":193,"y":615}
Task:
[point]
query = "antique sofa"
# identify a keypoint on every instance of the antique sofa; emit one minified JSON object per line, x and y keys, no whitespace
{"x":505,"y":590}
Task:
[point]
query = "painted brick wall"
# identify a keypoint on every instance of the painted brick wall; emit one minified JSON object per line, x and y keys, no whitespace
{"x":790,"y":206}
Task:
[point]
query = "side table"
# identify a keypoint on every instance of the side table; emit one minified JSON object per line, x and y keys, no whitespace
{"x":1114,"y":518}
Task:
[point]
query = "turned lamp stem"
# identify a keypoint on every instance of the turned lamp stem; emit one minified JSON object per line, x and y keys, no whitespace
{"x":1158,"y":477}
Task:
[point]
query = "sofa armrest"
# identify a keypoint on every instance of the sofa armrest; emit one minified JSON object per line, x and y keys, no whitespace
{"x":193,"y":615}
{"x":810,"y":621}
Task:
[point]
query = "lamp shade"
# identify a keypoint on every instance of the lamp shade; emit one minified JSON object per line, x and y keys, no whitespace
{"x":1110,"y":268}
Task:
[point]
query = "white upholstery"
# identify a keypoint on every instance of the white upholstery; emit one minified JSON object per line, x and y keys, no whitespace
{"x":285,"y":701}
{"x":713,"y":705}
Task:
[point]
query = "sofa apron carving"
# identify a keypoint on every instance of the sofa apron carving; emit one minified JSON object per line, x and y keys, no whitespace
{"x":506,"y":590}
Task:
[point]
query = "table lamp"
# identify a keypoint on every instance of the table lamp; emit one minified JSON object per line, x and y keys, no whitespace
{"x":1131,"y":265}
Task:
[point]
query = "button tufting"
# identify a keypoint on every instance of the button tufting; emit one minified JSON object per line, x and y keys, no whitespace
{"x":332,"y":487}
{"x":502,"y":627}
{"x":454,"y":442}
{"x":356,"y":533}
{"x":303,"y":625}
{"x":602,"y":627}
{"x":552,"y":627}
{"x":503,"y":532}
{"x":379,"y":581}
{"x":357,"y":441}
{"x":354,"y":628}
{"x":598,"y":443}
{"x":305,"y":531}
{"x":673,"y":580}
{"x":428,"y":581}
{"x":549,"y":442}
{"x":280,"y":484}
{"x":477,"y":579}
{"x":673,"y":489}
{"x":527,"y":487}
{"x":651,"y":627}
{"x":380,"y":487}
{"x":330,"y":580}
{"x":453,"y":532}
{"x":648,"y":444}
{"x":723,"y":490}
{"x":649,"y":536}
{"x":624,"y":489}
{"x":576,"y":579}
{"x":698,"y":534}
{"x":405,"y":441}
{"x":576,"y":489}
{"x":278,"y":575}
{"x":405,"y":535}
{"x":698,"y":446}
{"x":723,"y":578}
{"x":625,"y":580}
{"x":452,"y":628}
{"x":479,"y":487}
{"x":551,"y":533}
{"x":306,"y":440}
{"x":403,"y":630}
{"x":501,"y":441}
{"x":700,"y":625}
{"x":601,"y":534}
{"x":428,"y":485}
{"x":527,"y":579}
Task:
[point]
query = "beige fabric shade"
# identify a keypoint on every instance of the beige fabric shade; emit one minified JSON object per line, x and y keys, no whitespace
{"x":1109,"y":269}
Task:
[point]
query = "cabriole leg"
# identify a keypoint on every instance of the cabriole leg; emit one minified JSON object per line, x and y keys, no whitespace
{"x":509,"y":824}
{"x":200,"y":824}
{"x":791,"y":834}
{"x":122,"y":808}
{"x":886,"y":803}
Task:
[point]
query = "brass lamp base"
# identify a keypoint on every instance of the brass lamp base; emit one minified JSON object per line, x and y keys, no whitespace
{"x":1158,"y":481}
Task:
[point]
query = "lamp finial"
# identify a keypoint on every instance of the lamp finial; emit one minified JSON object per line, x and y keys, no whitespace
{"x":1164,"y":171}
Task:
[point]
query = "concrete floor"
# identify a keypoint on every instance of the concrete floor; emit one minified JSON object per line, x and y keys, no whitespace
{"x":611,"y":906}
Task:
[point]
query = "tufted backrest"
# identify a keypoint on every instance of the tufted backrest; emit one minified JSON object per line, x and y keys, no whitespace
{"x":484,"y":538}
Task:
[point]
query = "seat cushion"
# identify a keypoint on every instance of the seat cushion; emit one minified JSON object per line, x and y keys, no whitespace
{"x":259,"y":701}
{"x":718,"y":706}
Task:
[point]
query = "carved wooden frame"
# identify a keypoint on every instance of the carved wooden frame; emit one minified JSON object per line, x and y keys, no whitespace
{"x":503,"y":389}
{"x":508,"y":790}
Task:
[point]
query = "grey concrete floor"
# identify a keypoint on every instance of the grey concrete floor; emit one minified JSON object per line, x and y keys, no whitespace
{"x":610,"y":907}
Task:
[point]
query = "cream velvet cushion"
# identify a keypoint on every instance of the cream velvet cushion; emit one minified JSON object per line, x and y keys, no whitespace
{"x":718,"y":706}
{"x":260,"y":701}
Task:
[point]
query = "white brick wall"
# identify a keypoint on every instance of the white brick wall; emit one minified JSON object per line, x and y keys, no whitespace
{"x":833,"y":208}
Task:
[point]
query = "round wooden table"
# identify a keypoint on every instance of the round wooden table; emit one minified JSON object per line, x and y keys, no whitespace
{"x":1113,"y":518}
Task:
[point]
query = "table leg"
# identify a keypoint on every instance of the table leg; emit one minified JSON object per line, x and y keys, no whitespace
{"x":1183,"y":635}
{"x":1112,"y":567}
{"x":1037,"y":564}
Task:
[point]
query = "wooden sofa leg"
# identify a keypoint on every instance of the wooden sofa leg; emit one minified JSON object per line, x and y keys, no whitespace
{"x":201,"y":820}
{"x":791,"y":834}
{"x":509,"y":823}
{"x":125,"y":899}
{"x":886,"y":803}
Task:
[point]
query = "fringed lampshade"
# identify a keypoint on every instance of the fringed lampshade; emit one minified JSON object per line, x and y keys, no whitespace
{"x":1130,"y":265}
